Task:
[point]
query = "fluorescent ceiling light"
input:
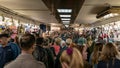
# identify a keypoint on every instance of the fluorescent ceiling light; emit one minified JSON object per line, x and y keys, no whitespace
{"x":64,"y":10}
{"x":115,"y":14}
{"x":66,"y":25}
{"x":65,"y":18}
{"x":110,"y":15}
{"x":65,"y":15}
{"x":66,"y":22}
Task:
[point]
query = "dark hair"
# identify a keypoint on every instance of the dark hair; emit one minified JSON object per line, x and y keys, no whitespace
{"x":46,"y":42}
{"x":27,"y":41}
{"x":39,"y":40}
{"x":99,"y":46}
{"x":4,"y":35}
{"x":80,"y":48}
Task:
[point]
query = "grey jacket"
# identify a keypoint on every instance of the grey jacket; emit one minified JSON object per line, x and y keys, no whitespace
{"x":25,"y":61}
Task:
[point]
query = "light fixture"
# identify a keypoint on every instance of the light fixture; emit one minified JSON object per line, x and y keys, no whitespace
{"x":64,"y":10}
{"x":66,"y":25}
{"x":116,"y":14}
{"x":109,"y":12}
{"x":65,"y":19}
{"x":65,"y":15}
{"x":66,"y":22}
{"x":110,"y":15}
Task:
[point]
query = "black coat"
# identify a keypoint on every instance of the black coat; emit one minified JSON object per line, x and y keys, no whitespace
{"x":112,"y":63}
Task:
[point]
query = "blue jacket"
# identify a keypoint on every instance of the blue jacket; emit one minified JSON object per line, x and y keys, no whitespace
{"x":6,"y":55}
{"x":15,"y":48}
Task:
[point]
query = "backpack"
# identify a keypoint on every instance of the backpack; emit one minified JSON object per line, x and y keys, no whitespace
{"x":40,"y":54}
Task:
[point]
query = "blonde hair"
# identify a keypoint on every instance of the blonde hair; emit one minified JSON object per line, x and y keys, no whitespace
{"x":58,"y":41}
{"x":68,"y":41}
{"x":109,"y":51}
{"x":73,"y":60}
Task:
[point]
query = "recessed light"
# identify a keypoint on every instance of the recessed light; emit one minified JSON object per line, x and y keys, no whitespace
{"x":66,"y":25}
{"x":66,"y":22}
{"x":65,"y":18}
{"x":65,"y":15}
{"x":110,"y":15}
{"x":64,"y":10}
{"x":116,"y":14}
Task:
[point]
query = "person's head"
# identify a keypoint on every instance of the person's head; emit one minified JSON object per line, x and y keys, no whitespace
{"x":98,"y":46}
{"x":68,"y":41}
{"x":109,"y":51}
{"x":63,"y":43}
{"x":57,"y":41}
{"x":83,"y":50}
{"x":96,"y":52}
{"x":71,"y":58}
{"x":46,"y":42}
{"x":4,"y":38}
{"x":39,"y":41}
{"x":27,"y":43}
{"x":72,"y":45}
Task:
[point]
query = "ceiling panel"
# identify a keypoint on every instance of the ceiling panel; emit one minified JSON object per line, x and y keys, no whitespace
{"x":43,"y":16}
{"x":34,"y":9}
{"x":23,"y":4}
{"x":37,"y":10}
{"x":74,"y":5}
{"x":90,"y":8}
{"x":85,"y":16}
{"x":98,"y":2}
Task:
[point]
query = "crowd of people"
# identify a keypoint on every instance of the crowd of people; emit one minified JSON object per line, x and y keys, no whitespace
{"x":60,"y":49}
